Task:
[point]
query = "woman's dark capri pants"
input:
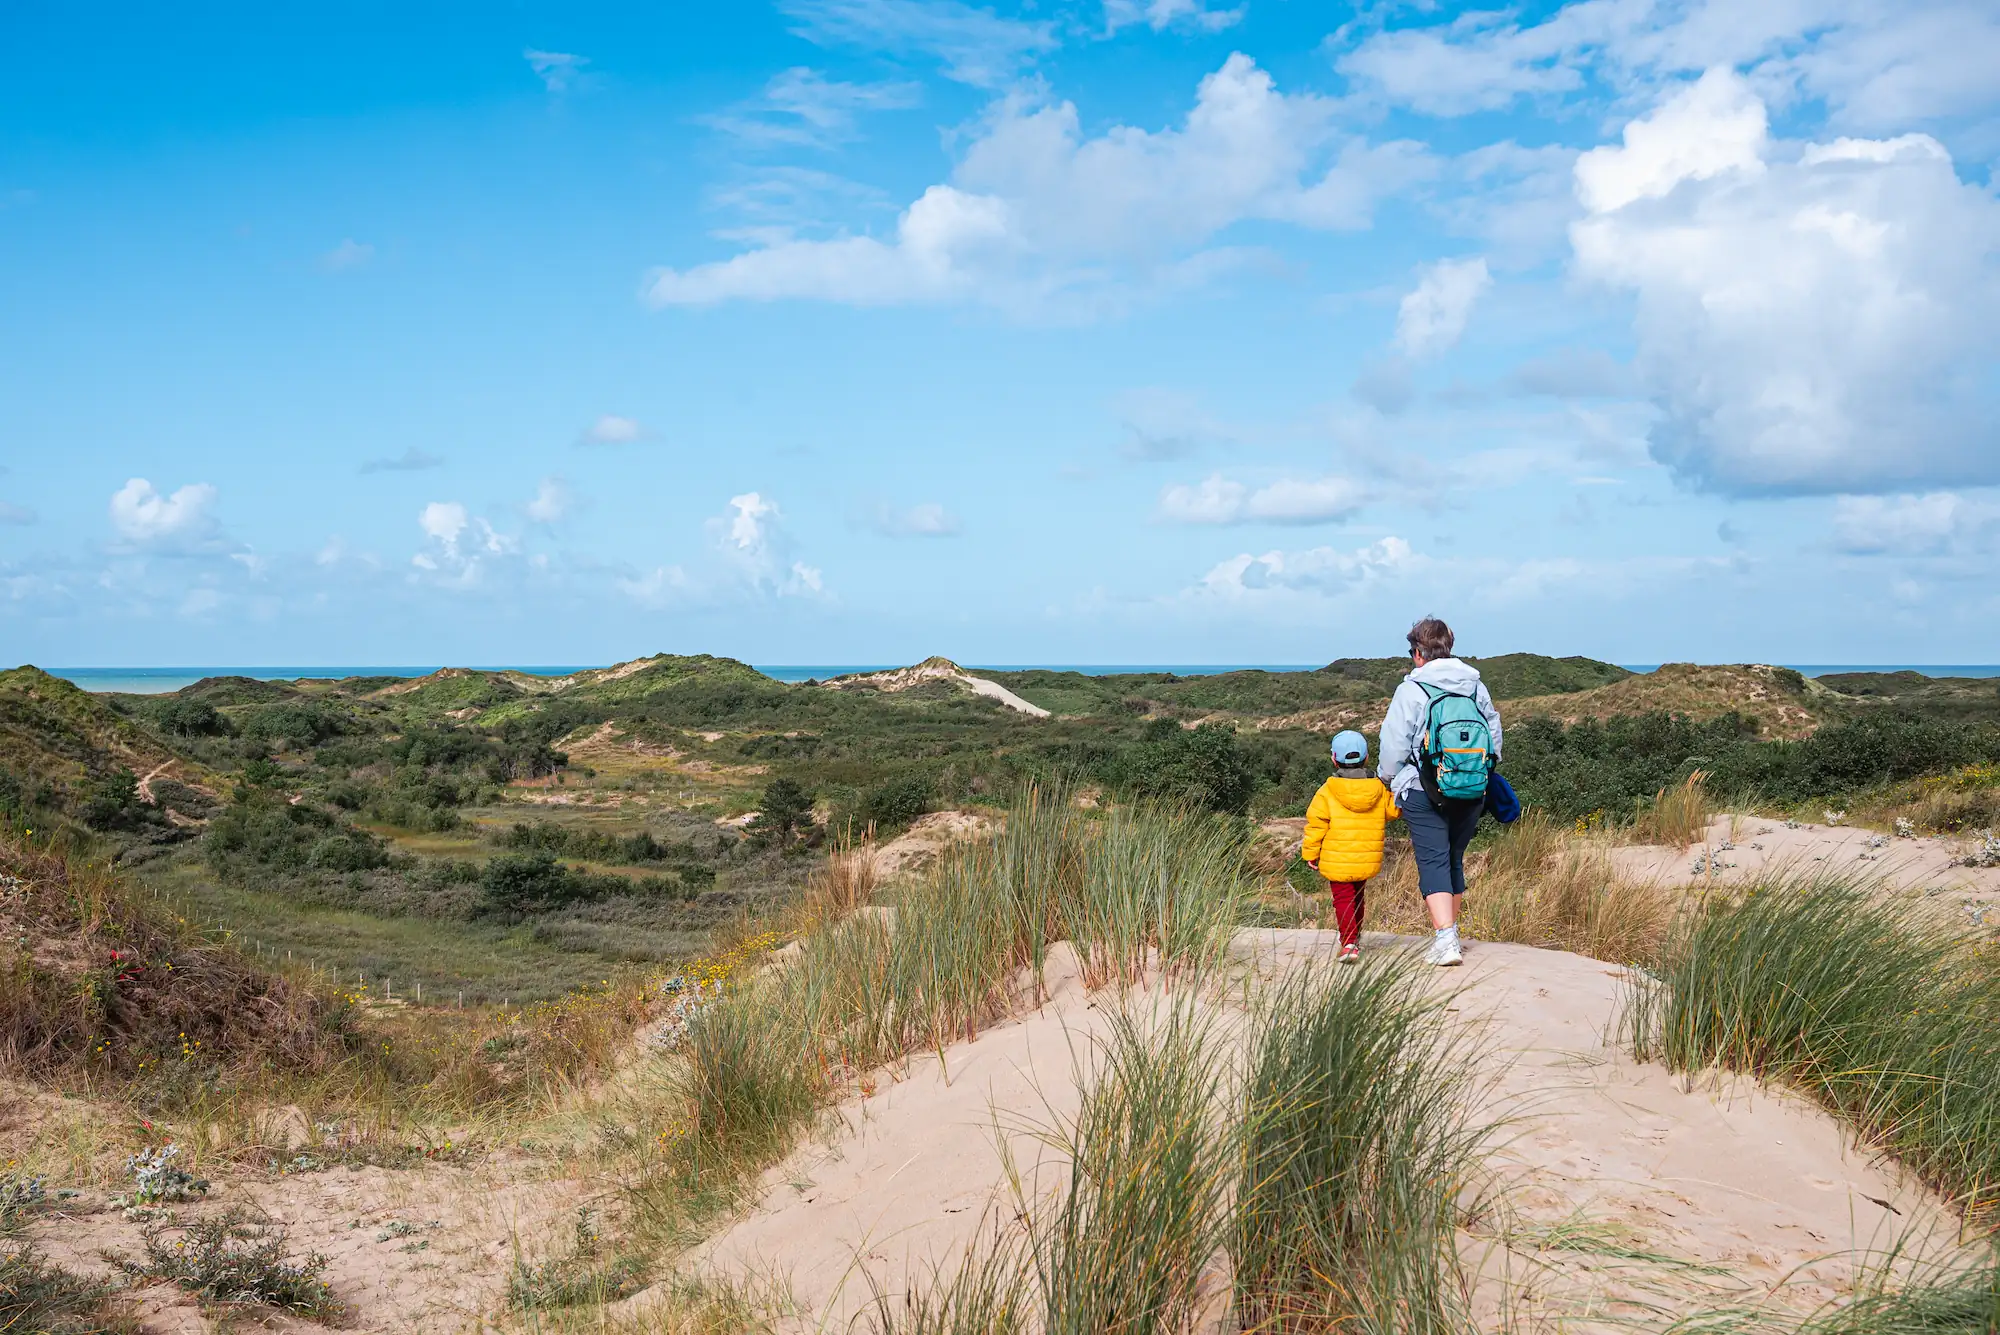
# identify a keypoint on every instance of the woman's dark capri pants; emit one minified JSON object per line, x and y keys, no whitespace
{"x":1438,"y":839}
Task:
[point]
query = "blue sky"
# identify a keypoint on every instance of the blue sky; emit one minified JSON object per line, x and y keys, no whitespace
{"x":1091,"y":331}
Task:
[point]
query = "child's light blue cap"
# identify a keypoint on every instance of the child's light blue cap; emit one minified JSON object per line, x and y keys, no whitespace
{"x":1349,"y":748}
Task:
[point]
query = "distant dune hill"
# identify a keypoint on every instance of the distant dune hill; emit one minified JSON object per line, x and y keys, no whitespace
{"x":53,"y":732}
{"x":1348,"y":692}
{"x":1782,"y":702}
{"x":936,"y":669}
{"x":495,"y":695}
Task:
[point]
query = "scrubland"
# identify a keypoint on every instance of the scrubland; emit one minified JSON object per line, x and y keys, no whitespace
{"x":666,"y":981}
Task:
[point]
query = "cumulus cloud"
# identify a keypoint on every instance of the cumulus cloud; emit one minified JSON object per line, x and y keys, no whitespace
{"x":1221,"y":500}
{"x":974,"y":46}
{"x":752,"y":538}
{"x":1318,"y":570}
{"x":1872,"y":65}
{"x":612,"y":430}
{"x":1810,"y":318}
{"x":1036,"y":211}
{"x":1160,"y":15}
{"x":558,"y":70}
{"x":411,"y":460}
{"x":462,"y":547}
{"x":1432,"y":317}
{"x":802,"y":107}
{"x":1937,"y":523}
{"x":142,"y":515}
{"x":553,"y":501}
{"x":925,"y":520}
{"x":349,"y":254}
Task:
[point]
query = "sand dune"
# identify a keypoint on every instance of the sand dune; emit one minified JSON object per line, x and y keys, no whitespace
{"x":1739,"y":1189}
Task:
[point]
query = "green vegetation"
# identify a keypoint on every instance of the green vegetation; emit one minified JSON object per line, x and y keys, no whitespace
{"x":225,"y":1259}
{"x":38,"y":1297}
{"x":1590,"y":767}
{"x":1356,"y":1146}
{"x":378,"y":827}
{"x":1879,"y":1011}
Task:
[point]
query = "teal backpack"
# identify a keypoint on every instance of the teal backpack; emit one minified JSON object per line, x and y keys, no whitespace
{"x":1455,"y":753}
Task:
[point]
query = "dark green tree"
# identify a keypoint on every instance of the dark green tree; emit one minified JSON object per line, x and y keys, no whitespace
{"x":786,"y":810}
{"x":112,"y":803}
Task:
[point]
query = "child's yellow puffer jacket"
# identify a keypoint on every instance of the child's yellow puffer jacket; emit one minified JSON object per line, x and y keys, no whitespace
{"x":1344,"y":828}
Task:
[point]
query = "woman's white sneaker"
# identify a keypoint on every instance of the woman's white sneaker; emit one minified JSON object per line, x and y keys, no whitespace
{"x":1444,"y":953}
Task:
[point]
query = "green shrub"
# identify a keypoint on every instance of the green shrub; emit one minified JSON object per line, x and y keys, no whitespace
{"x":894,"y":804}
{"x":223,"y":1259}
{"x":41,"y":1298}
{"x":113,"y":803}
{"x":189,"y":718}
{"x":1205,"y":768}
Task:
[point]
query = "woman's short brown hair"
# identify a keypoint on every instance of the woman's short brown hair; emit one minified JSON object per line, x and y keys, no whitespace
{"x":1431,"y":638}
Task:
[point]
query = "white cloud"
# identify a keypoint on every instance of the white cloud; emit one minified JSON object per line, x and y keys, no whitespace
{"x":349,"y":254}
{"x":553,"y":500}
{"x":142,"y":514}
{"x":462,"y":548}
{"x":925,"y":520}
{"x":1816,"y":318}
{"x":1432,"y":317}
{"x":975,"y":46}
{"x":1159,"y":15}
{"x":444,"y":522}
{"x":1220,"y":500}
{"x":558,"y":70}
{"x":801,"y":106}
{"x":1317,"y":570}
{"x":752,"y":538}
{"x":1036,"y":212}
{"x":612,"y":430}
{"x":1873,"y":65}
{"x":1938,"y":523}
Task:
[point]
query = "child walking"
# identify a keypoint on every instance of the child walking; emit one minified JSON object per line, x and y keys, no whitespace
{"x":1343,"y":840}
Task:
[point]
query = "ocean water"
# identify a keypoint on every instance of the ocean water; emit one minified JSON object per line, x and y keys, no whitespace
{"x":157,"y":680}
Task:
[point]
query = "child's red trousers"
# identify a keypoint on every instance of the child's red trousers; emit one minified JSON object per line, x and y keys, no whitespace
{"x":1349,"y":903}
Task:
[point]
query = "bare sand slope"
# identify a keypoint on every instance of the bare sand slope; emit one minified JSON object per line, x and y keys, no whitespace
{"x":1734,"y":1188}
{"x":408,"y":1250}
{"x":1740,"y":848}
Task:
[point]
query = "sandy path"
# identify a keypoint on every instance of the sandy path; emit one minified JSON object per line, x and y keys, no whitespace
{"x":1740,"y":1186}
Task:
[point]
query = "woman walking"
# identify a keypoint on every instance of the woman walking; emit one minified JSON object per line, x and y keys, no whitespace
{"x":1440,"y":740}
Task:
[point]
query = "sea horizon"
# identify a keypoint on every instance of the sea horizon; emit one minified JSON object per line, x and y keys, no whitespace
{"x":165,"y":679}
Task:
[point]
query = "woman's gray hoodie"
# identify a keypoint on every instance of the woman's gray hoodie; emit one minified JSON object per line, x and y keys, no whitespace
{"x":1403,"y":726}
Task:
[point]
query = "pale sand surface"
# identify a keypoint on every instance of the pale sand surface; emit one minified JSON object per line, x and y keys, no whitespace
{"x":408,"y":1249}
{"x":1741,"y":1191}
{"x":1744,"y":847}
